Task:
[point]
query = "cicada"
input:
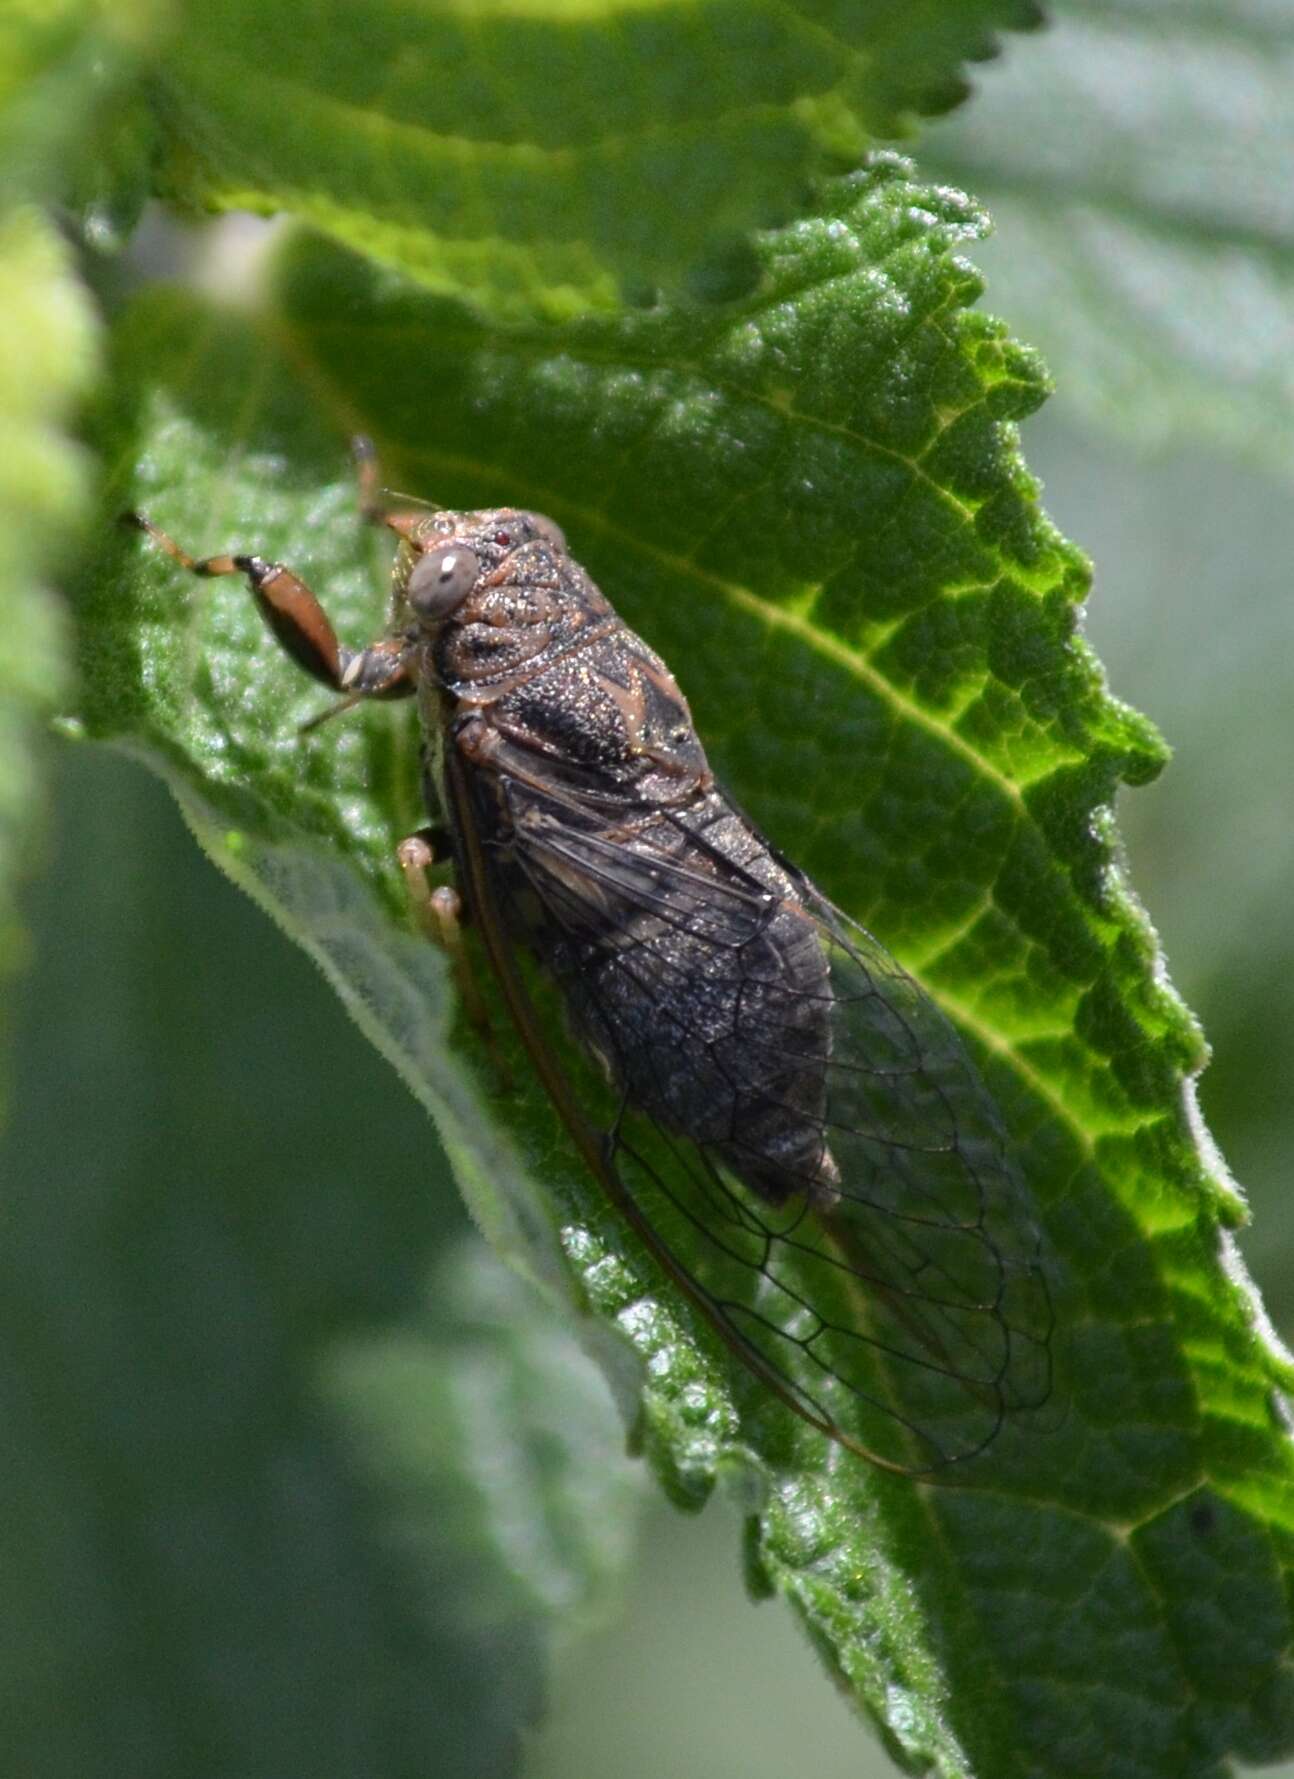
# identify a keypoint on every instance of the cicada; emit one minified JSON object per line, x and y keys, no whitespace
{"x":794,"y":1130}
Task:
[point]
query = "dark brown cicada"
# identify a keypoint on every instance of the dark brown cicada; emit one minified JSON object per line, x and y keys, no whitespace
{"x":798,"y":1134}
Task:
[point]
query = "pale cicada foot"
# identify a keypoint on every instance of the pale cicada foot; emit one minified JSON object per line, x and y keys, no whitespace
{"x":439,"y":914}
{"x":438,"y":911}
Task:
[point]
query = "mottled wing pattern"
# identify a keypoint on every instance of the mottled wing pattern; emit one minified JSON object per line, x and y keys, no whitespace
{"x":896,"y":1294}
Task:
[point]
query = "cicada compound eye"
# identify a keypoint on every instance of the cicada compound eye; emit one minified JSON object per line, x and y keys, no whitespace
{"x":441,"y":580}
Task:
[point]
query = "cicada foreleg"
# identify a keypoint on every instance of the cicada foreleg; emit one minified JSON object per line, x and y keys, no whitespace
{"x":301,"y":626}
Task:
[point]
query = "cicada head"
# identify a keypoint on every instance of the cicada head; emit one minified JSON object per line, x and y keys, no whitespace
{"x":490,"y":591}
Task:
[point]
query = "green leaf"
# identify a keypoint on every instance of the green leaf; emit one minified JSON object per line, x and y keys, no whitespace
{"x":296,"y":1478}
{"x":58,"y":62}
{"x":1136,"y":163}
{"x":555,"y":154}
{"x":811,"y":501}
{"x":71,"y":129}
{"x":487,"y":1430}
{"x":47,"y":357}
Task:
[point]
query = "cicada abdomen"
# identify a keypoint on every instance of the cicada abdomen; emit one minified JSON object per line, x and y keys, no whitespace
{"x":795,"y":1130}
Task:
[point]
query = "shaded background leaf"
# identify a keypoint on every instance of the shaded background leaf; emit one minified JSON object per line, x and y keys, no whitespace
{"x":1135,"y":157}
{"x":48,"y":348}
{"x":508,"y":152}
{"x":60,"y":69}
{"x":74,"y":129}
{"x":235,"y":1312}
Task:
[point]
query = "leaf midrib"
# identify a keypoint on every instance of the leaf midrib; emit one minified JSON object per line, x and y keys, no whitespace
{"x":333,"y":117}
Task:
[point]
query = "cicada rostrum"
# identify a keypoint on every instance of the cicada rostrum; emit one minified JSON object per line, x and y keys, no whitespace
{"x":795,"y":1130}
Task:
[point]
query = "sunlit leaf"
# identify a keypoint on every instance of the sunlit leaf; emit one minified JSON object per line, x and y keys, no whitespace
{"x":810,"y":500}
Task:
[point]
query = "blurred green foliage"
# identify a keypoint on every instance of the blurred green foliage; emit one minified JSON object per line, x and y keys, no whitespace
{"x":1136,"y":159}
{"x":513,"y":153}
{"x":299,"y":1481}
{"x":256,"y":1375}
{"x":47,"y":356}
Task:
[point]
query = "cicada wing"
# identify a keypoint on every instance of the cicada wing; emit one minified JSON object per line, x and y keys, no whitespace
{"x":878,"y":1268}
{"x":908,"y":1309}
{"x":946,"y":1308}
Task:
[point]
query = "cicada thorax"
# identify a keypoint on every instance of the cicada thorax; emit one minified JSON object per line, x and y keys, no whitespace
{"x":686,"y":960}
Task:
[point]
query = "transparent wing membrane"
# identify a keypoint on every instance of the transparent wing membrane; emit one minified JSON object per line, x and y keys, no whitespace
{"x":802,"y":1135}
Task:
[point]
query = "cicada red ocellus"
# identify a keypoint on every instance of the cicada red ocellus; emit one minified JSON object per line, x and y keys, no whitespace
{"x":796,"y":1132}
